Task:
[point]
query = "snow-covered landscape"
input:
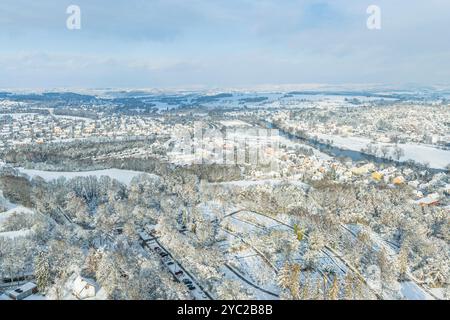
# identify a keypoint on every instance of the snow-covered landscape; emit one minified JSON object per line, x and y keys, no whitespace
{"x":424,"y":154}
{"x":123,"y":176}
{"x":120,"y":199}
{"x":222,"y":153}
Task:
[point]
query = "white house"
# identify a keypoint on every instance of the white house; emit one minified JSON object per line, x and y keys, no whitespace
{"x":84,"y":288}
{"x":23,"y":291}
{"x":429,"y":200}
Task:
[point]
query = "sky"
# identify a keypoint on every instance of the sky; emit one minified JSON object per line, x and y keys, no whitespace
{"x":230,"y":43}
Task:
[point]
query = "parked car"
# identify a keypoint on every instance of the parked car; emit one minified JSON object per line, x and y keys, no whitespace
{"x":157,"y":248}
{"x":178,"y":273}
{"x":191,"y":287}
{"x":170,"y":263}
{"x":163,"y":254}
{"x":187,"y":281}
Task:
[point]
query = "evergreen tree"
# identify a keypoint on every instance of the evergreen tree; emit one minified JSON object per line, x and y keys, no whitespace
{"x":318,"y":294}
{"x":42,"y":271}
{"x":305,"y":294}
{"x":348,"y":287}
{"x":403,"y":261}
{"x":92,"y":261}
{"x":288,"y":279}
{"x":333,"y":292}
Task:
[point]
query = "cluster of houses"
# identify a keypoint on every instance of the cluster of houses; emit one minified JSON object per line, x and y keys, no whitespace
{"x":434,"y":191}
{"x":27,"y":128}
{"x":27,"y":291}
{"x":79,"y":288}
{"x":405,"y":123}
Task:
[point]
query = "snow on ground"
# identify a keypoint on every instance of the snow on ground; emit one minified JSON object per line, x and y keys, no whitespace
{"x":319,"y":154}
{"x":250,"y":183}
{"x":244,"y":259}
{"x":172,"y":265}
{"x":234,"y":123}
{"x":17,"y":233}
{"x":259,"y":220}
{"x":436,"y":158}
{"x":412,"y":292}
{"x":18,"y":116}
{"x":256,"y":270}
{"x":67,"y":292}
{"x":255,"y":292}
{"x":409,"y":289}
{"x":5,"y":203}
{"x":18,"y":209}
{"x":438,"y":292}
{"x":60,"y":116}
{"x":123,"y":176}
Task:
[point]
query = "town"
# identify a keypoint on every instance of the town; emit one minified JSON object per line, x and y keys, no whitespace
{"x":224,"y":195}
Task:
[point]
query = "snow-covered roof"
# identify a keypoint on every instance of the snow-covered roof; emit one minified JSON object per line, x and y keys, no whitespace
{"x":80,"y":284}
{"x":430,"y":199}
{"x":28,"y":286}
{"x":22,"y":290}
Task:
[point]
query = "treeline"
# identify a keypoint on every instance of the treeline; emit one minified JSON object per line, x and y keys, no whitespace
{"x":88,"y":155}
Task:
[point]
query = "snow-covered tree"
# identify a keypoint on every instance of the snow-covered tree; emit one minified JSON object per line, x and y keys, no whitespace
{"x":42,"y":271}
{"x":289,"y":279}
{"x":333,"y":291}
{"x":232,"y":290}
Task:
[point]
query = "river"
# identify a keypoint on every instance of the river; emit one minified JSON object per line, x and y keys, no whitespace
{"x":337,"y":152}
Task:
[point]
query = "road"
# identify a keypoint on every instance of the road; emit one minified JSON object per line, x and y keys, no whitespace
{"x":254,"y":249}
{"x":328,"y":251}
{"x":249,"y":282}
{"x":174,"y":267}
{"x":391,"y":250}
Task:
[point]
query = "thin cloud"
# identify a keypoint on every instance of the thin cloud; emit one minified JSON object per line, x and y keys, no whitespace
{"x":222,"y":43}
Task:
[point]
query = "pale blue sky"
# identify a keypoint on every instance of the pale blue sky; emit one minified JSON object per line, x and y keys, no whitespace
{"x":176,"y":43}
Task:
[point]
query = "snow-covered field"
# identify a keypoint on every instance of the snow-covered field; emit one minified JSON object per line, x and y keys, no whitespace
{"x":412,"y":292}
{"x":19,"y":116}
{"x":234,"y":123}
{"x":319,"y":154}
{"x":251,"y":183}
{"x":5,"y":215}
{"x":123,"y":176}
{"x":436,"y":158}
{"x":17,"y":233}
